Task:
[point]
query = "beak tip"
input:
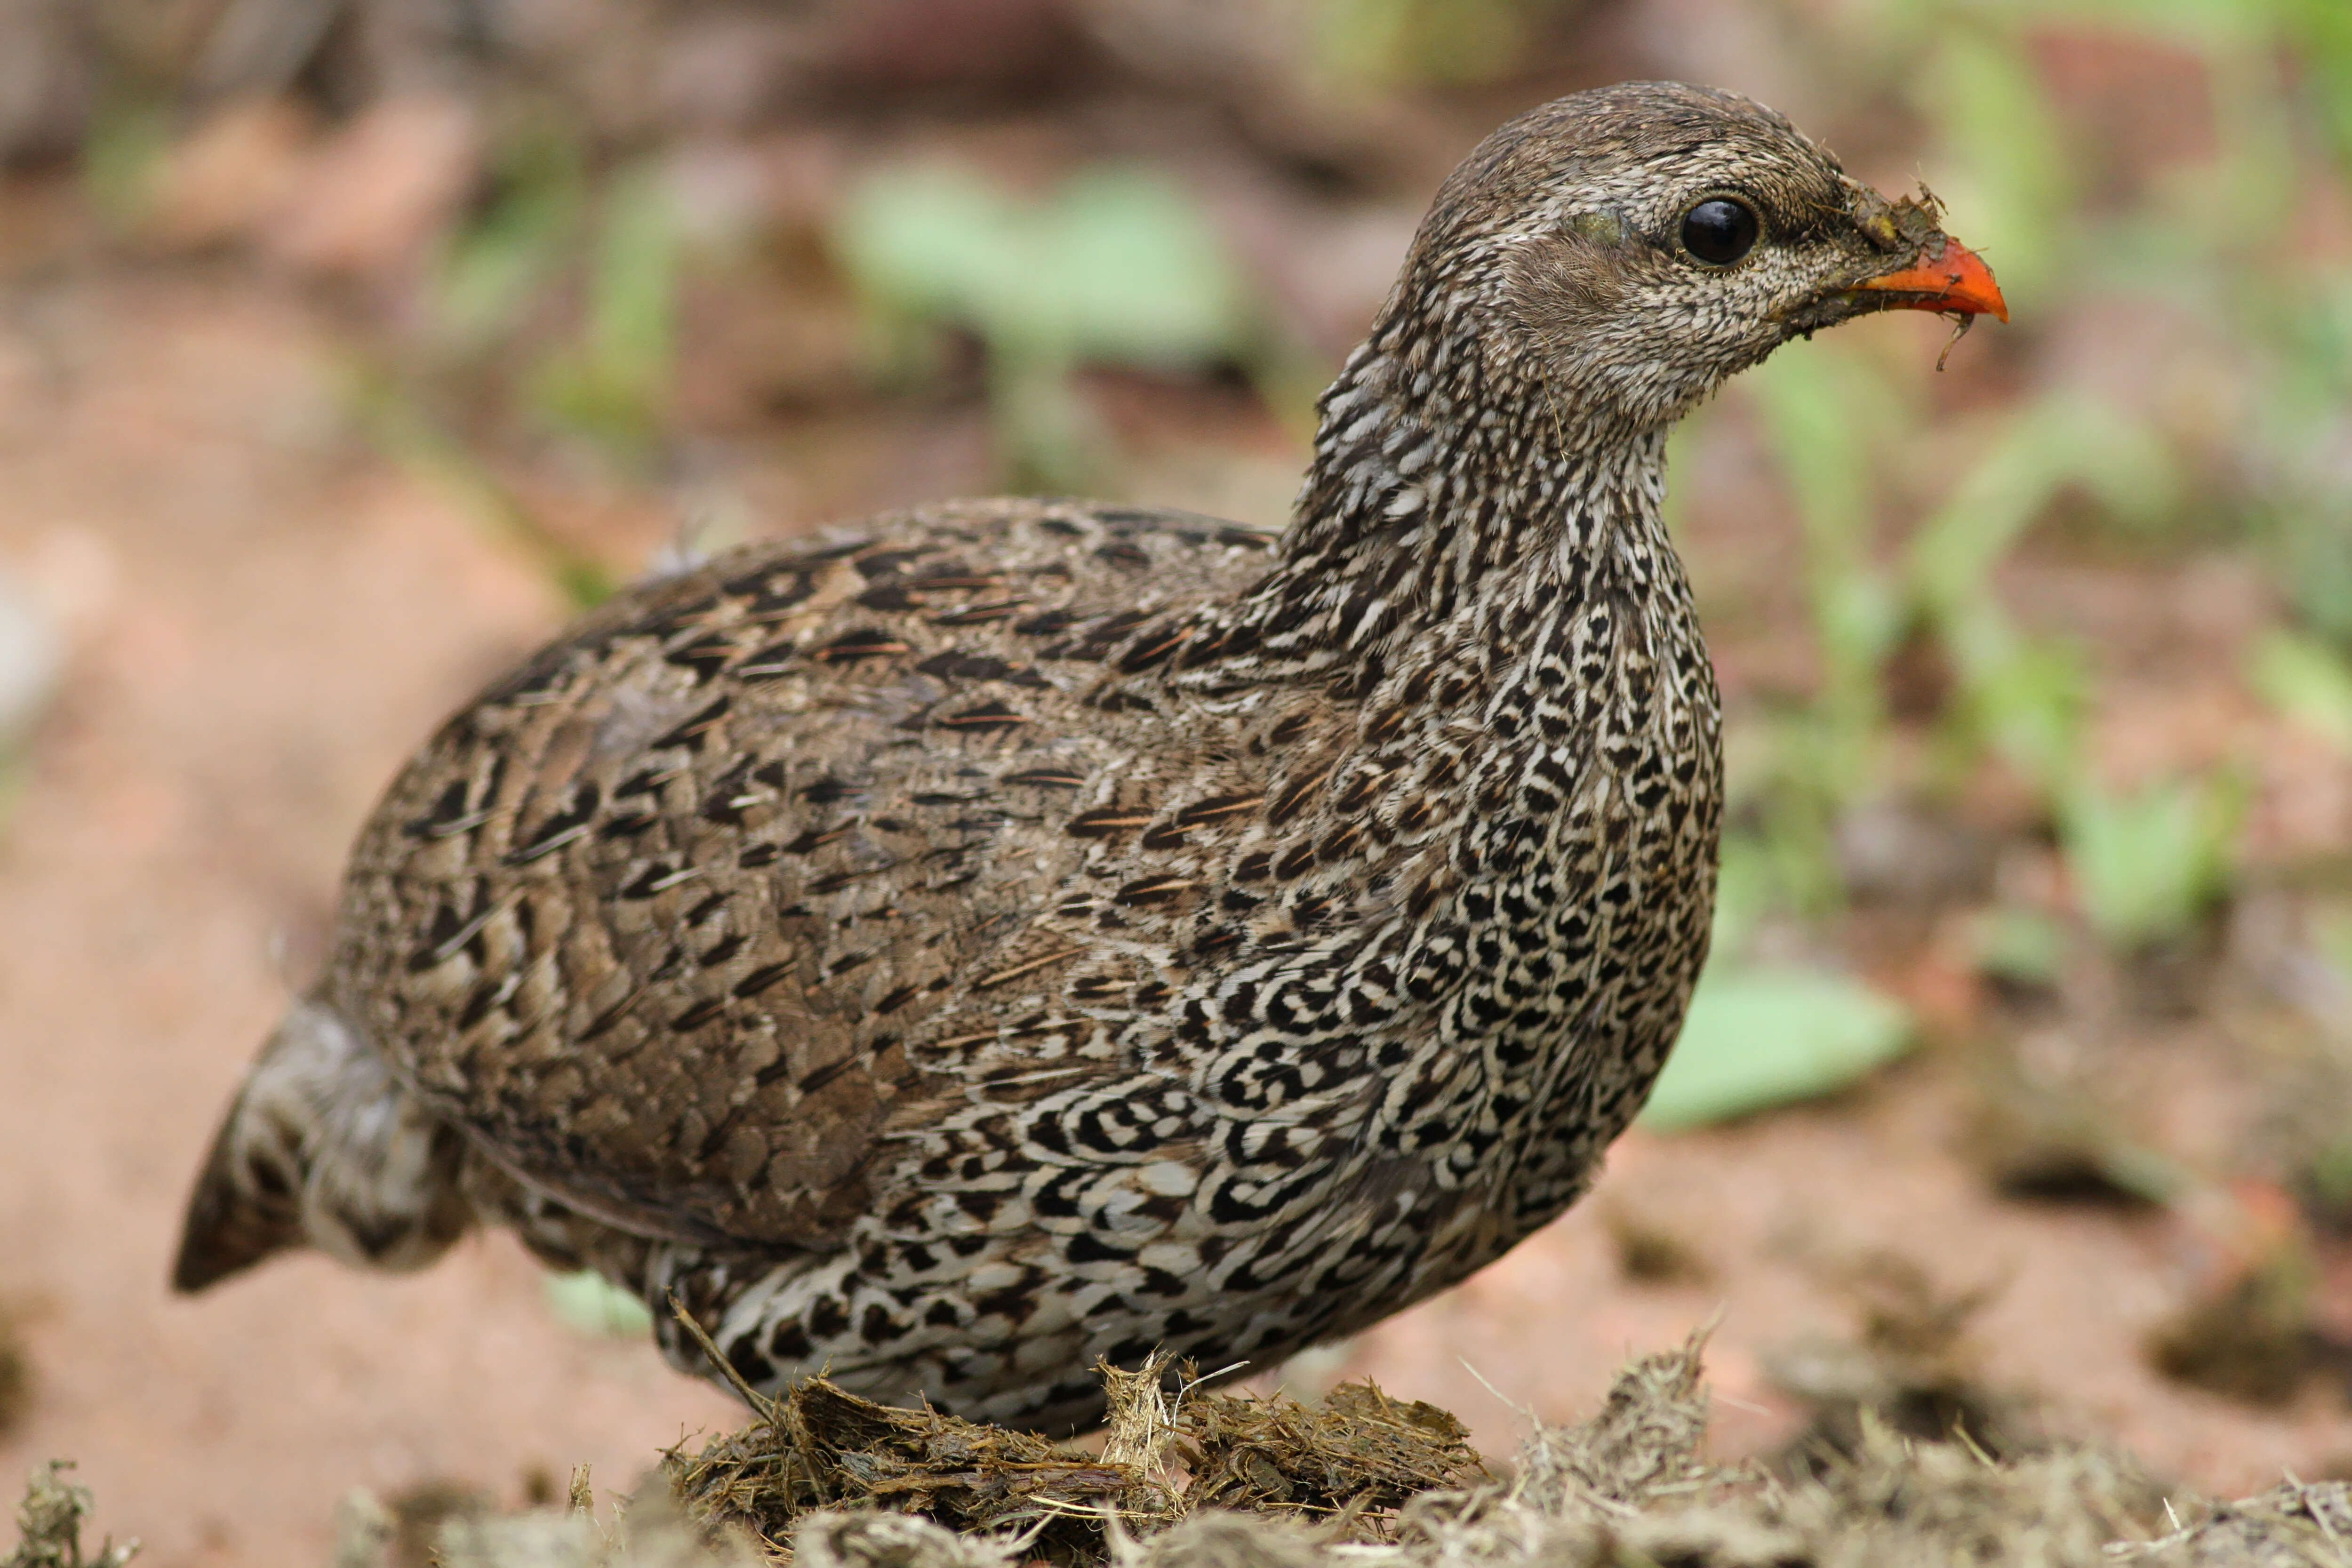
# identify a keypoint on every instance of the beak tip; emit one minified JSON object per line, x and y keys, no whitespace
{"x":1951,"y":277}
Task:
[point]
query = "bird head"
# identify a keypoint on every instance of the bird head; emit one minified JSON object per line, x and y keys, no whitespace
{"x":1632,"y":247}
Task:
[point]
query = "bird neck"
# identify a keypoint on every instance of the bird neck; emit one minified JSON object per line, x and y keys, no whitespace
{"x":1447,"y":486}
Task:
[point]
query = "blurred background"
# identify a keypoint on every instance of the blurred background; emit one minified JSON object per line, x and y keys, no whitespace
{"x":347,"y":347}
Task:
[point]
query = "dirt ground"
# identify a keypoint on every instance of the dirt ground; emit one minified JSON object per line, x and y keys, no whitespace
{"x":264,"y":614}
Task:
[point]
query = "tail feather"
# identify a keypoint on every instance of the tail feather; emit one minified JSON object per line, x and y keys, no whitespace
{"x":322,"y":1148}
{"x":244,"y":1209}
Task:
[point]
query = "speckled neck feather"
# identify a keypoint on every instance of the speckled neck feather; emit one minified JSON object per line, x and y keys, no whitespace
{"x":1441,"y":485}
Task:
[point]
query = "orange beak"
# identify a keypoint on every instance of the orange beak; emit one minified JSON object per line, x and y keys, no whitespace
{"x":1950,"y":278}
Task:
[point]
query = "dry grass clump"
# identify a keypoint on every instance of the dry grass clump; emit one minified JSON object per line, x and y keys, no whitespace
{"x":1351,"y":1464}
{"x":1359,"y":1455}
{"x":821,"y":1447}
{"x":48,"y":1525}
{"x":2290,"y":1526}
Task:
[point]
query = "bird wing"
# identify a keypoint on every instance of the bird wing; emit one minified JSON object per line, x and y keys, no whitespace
{"x":679,"y":918}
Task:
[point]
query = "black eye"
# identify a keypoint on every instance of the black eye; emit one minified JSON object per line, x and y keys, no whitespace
{"x":1720,"y":230}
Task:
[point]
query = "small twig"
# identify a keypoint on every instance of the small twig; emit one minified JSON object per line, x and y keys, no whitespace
{"x":1961,"y":326}
{"x":583,"y":1496}
{"x":1209,"y":1377}
{"x":751,"y":1397}
{"x":2318,"y":1515}
{"x":1514,"y":1408}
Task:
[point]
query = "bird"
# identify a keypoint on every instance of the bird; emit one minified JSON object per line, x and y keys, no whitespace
{"x":957,"y":949}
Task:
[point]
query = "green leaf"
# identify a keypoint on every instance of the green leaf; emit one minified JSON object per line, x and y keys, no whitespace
{"x":2308,"y":681}
{"x":2024,"y":946}
{"x":2321,"y":41}
{"x":1827,"y":412}
{"x":1145,"y":280}
{"x":1117,"y":266}
{"x":2147,"y":863}
{"x":1747,"y":887}
{"x":588,"y":1303}
{"x":2028,"y":703}
{"x":2023,"y":696}
{"x":1758,"y":1038}
{"x":2065,"y":438}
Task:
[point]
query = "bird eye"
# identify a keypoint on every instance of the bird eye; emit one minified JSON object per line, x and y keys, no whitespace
{"x":1720,"y":230}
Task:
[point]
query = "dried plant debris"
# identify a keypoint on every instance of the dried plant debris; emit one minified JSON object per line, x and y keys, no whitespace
{"x":1897,"y":1500}
{"x":647,"y":1531}
{"x":821,"y":1447}
{"x":1360,"y":1454}
{"x":553,"y":1537}
{"x":1353,"y":1461}
{"x":1642,"y":1444}
{"x":2290,"y":1526}
{"x":48,"y":1525}
{"x":1627,"y":1487}
{"x":1891,"y":1501}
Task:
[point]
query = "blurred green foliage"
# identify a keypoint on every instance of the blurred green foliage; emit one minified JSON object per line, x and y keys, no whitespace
{"x":397,"y":421}
{"x":613,"y":379}
{"x":2021,"y":946}
{"x":560,"y":293}
{"x":606,"y":248}
{"x":2148,"y":863}
{"x":2264,"y":455}
{"x":2306,"y":679}
{"x":1758,"y":1038}
{"x":1909,"y":509}
{"x":591,"y":1305}
{"x":496,"y":268}
{"x":1114,"y":267}
{"x":121,"y":155}
{"x":1388,"y":42}
{"x":2334,"y":931}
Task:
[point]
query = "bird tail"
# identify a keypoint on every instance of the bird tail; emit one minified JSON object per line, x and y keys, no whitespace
{"x":323,"y":1147}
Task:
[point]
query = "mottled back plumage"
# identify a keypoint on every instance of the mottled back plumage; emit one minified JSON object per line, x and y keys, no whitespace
{"x":1012,"y":933}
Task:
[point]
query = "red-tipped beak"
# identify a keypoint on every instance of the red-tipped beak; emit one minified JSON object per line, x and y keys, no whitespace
{"x":1951,"y":277}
